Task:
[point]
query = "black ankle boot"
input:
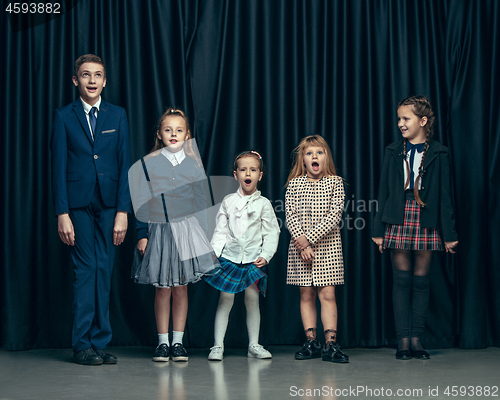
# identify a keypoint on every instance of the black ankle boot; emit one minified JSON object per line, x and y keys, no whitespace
{"x":333,"y":353}
{"x":310,"y":349}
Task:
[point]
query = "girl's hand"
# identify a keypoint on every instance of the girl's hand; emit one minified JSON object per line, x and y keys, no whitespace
{"x":449,"y":246}
{"x":307,"y":254}
{"x":65,"y":229}
{"x":379,"y":242}
{"x":301,"y":243}
{"x":260,"y":262}
{"x":141,"y":246}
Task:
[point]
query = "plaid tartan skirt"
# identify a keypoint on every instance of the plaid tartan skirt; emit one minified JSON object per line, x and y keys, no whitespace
{"x":234,"y":278}
{"x":410,"y":236}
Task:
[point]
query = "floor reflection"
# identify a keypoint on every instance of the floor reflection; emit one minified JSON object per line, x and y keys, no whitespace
{"x":171,"y":381}
{"x":255,"y":368}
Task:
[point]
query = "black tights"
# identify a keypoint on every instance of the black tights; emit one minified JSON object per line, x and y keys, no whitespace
{"x":410,"y":288}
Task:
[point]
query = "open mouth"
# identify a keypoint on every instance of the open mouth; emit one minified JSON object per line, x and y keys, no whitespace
{"x":91,"y":89}
{"x":248,"y":181}
{"x":315,"y":166}
{"x":173,"y":141}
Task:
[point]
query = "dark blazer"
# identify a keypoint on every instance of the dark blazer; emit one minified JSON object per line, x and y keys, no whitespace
{"x":435,"y":191}
{"x":78,"y":162}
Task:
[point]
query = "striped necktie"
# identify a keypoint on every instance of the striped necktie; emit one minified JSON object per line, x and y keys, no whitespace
{"x":92,"y":120}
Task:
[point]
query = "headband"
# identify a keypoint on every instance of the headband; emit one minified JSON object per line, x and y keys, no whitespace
{"x":249,"y":152}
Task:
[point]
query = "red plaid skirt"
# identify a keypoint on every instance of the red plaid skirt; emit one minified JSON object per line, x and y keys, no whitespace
{"x":410,"y":236}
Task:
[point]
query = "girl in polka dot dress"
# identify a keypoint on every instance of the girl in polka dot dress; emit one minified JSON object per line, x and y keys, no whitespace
{"x":314,"y":203}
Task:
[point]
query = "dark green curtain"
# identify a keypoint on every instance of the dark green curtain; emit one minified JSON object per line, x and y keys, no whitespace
{"x":260,"y":74}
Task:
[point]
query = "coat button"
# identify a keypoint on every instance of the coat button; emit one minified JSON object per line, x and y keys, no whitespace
{"x":96,"y":157}
{"x":422,"y":188}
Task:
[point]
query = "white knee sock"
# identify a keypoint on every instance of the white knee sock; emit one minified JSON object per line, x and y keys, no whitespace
{"x":253,"y":314}
{"x":177,"y":337}
{"x":226,"y":301}
{"x":163,"y":338}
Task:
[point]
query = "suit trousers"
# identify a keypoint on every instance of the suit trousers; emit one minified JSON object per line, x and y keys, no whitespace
{"x":93,"y":257}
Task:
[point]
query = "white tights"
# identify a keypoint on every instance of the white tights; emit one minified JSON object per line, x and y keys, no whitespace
{"x":253,"y":315}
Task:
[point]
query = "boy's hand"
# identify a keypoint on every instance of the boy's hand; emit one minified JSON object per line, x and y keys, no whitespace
{"x":301,"y":243}
{"x":260,"y":262}
{"x":379,"y":242}
{"x":120,"y":228}
{"x":307,"y":254}
{"x":141,"y":246}
{"x":65,"y":229}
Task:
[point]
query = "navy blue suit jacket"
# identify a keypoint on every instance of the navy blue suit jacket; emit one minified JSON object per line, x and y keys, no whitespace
{"x":78,"y":162}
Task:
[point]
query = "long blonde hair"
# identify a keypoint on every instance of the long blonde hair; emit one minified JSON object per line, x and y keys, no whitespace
{"x":299,"y":168}
{"x":187,"y":146}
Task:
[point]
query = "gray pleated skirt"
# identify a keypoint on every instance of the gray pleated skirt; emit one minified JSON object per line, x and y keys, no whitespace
{"x":177,"y":253}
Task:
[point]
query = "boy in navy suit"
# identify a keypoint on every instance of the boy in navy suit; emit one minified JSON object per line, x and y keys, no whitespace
{"x":90,"y":160}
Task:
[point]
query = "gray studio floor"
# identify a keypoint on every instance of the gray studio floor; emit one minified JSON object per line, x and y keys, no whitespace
{"x":372,"y":373}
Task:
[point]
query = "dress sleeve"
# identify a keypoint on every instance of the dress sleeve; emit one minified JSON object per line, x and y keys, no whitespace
{"x":446,"y":213}
{"x":221,"y":230}
{"x":59,"y":159}
{"x":200,"y":203}
{"x":270,"y":232}
{"x":332,"y":217}
{"x":292,"y":208}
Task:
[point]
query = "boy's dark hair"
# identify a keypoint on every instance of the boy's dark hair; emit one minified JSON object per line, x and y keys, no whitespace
{"x":88,"y":58}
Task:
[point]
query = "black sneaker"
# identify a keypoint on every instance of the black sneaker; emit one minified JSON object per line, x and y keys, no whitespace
{"x":333,"y":353}
{"x":161,"y":353}
{"x":178,"y":352}
{"x":87,"y":357}
{"x":107,"y":357}
{"x":310,"y":349}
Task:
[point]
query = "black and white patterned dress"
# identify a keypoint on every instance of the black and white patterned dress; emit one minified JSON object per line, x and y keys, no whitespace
{"x":314,"y":209}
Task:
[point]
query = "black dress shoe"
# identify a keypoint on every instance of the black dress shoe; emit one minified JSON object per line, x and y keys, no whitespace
{"x":420,"y":354}
{"x":87,"y":357}
{"x":178,"y":352}
{"x":403,"y":355}
{"x":333,"y":353}
{"x":310,"y":349}
{"x":107,"y":357}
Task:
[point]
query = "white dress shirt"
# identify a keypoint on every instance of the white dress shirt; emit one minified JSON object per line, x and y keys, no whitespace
{"x":87,"y":107}
{"x":246,"y":228}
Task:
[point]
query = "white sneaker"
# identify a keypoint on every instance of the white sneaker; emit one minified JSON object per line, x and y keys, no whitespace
{"x":216,"y":353}
{"x":257,"y":351}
